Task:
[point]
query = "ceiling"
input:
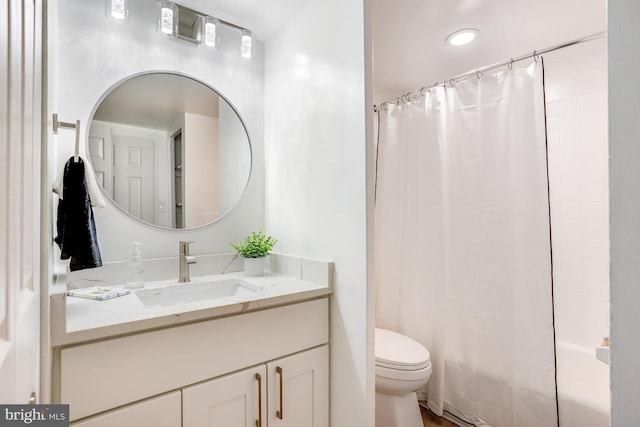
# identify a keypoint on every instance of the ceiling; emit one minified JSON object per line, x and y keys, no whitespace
{"x":409,"y":48}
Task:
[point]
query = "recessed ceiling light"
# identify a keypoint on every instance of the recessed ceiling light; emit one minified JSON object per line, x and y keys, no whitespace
{"x":462,"y":37}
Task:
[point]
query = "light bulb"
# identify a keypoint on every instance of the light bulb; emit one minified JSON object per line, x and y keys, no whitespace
{"x":168,"y":21}
{"x":208,"y":32}
{"x":117,"y":10}
{"x":245,"y":44}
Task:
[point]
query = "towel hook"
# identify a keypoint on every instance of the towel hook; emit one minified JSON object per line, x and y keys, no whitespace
{"x":65,"y":125}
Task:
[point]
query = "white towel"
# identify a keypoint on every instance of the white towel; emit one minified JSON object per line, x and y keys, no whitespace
{"x":97,"y":201}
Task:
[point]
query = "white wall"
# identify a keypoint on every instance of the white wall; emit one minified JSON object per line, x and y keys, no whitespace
{"x":624,"y":213}
{"x":235,"y":157}
{"x":576,"y":96}
{"x":315,"y":179}
{"x":89,"y":53}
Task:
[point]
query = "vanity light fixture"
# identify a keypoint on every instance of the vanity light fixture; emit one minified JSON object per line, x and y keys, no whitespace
{"x":462,"y":37}
{"x":245,"y":44}
{"x":208,"y":33}
{"x":196,"y":27}
{"x":117,"y":10}
{"x":168,"y":20}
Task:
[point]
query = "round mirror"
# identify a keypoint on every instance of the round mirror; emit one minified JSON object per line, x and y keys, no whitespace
{"x":169,"y":150}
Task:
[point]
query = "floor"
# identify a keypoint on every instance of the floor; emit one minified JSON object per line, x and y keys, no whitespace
{"x":431,"y":420}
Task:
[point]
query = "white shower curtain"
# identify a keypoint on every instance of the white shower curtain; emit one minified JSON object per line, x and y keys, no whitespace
{"x":463,"y":261}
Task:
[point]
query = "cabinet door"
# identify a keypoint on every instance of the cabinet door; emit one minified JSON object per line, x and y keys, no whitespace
{"x":299,"y":389}
{"x":162,"y":411}
{"x":235,"y":400}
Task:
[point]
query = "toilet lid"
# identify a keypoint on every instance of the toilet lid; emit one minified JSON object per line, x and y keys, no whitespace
{"x":400,"y":352}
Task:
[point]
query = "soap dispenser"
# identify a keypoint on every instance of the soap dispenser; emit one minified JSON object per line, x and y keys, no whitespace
{"x":135,"y":269}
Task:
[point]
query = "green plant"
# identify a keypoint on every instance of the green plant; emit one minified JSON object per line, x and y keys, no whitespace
{"x":256,"y":245}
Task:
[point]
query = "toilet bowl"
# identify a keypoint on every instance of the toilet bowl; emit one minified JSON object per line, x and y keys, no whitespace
{"x":403,"y":366}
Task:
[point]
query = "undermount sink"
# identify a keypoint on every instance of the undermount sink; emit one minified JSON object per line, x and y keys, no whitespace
{"x":195,"y":291}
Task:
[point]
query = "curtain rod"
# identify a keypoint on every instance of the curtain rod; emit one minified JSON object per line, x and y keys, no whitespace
{"x":478,"y":72}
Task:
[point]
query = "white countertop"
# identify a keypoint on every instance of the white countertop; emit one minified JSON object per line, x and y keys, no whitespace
{"x":76,"y":320}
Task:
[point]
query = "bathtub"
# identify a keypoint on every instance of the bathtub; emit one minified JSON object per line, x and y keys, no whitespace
{"x":583,"y":387}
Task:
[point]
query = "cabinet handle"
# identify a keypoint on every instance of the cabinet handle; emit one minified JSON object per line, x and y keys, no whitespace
{"x":259,"y":420}
{"x":280,"y":413}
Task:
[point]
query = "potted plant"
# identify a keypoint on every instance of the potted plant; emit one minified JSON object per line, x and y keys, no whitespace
{"x":254,"y":249}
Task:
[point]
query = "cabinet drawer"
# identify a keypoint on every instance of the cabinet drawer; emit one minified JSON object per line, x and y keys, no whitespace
{"x":100,"y":376}
{"x":162,"y":411}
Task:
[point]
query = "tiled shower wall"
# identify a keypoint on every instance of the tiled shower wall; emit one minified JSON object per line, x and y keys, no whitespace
{"x":576,"y":94}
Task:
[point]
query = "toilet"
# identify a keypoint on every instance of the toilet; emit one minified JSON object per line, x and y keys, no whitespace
{"x":403,"y":366}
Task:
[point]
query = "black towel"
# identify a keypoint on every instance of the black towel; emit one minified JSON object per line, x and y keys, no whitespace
{"x":76,"y":227}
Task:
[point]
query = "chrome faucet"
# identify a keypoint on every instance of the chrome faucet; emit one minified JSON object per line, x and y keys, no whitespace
{"x":185,"y":260}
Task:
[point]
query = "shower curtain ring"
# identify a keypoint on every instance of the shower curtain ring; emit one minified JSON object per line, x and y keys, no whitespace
{"x":423,"y":91}
{"x":511,"y":64}
{"x":478,"y":74}
{"x":535,"y":55}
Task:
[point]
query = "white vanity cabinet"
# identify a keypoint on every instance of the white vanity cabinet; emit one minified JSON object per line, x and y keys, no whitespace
{"x":289,"y":392}
{"x":212,"y":364}
{"x":162,"y":411}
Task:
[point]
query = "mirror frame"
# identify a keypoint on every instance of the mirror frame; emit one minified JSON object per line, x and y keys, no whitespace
{"x":179,"y":74}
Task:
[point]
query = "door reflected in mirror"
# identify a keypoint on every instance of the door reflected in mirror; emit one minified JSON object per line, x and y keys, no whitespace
{"x":169,"y":150}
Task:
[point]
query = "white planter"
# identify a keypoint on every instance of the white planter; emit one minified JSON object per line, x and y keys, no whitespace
{"x":254,"y":266}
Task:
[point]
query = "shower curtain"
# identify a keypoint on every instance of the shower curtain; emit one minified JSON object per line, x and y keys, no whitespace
{"x":463,"y":257}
